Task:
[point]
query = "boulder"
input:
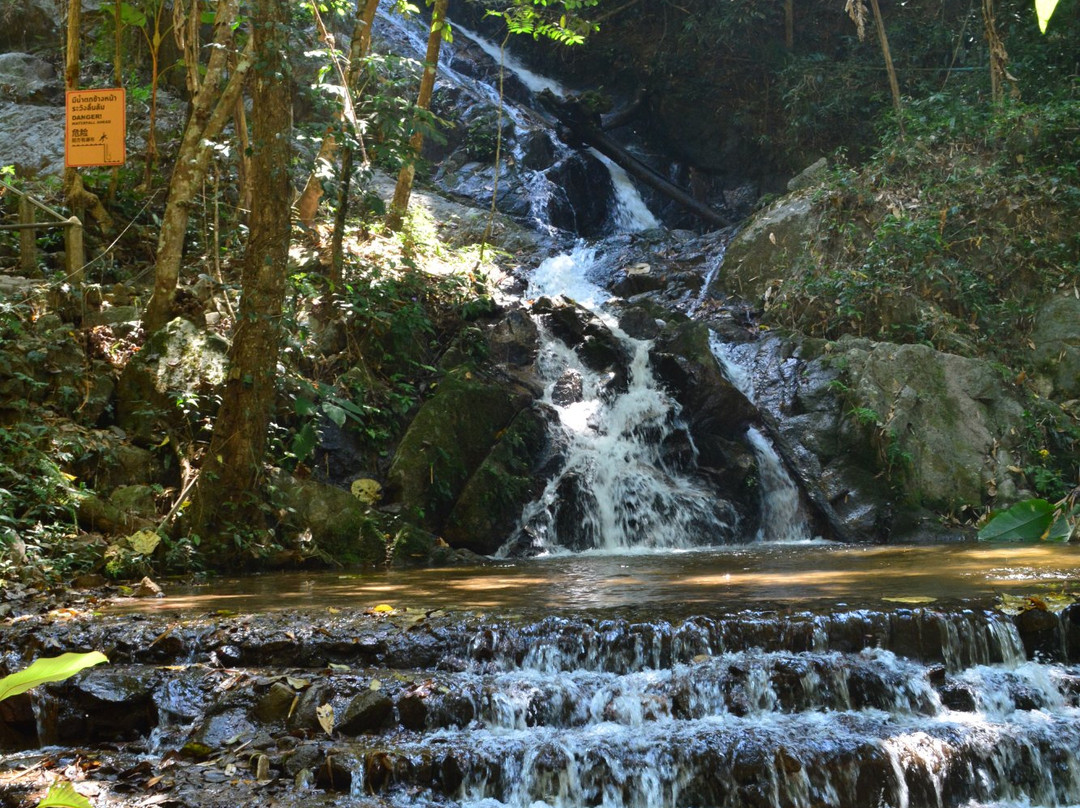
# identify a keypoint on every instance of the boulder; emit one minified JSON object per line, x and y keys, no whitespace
{"x":1056,"y":337}
{"x":758,"y":257}
{"x":33,"y":138}
{"x":939,"y":421}
{"x":715,"y":410}
{"x":491,"y":502}
{"x":451,"y":435}
{"x":327,"y":520}
{"x":169,"y":385}
{"x":368,"y":711}
{"x":28,"y":78}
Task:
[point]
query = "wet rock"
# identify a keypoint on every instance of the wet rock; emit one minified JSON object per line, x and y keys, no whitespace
{"x":275,"y":704}
{"x":305,"y":716}
{"x":412,"y":708}
{"x":368,"y":711}
{"x":637,"y":279}
{"x":334,"y":774}
{"x":958,"y":696}
{"x":147,"y":588}
{"x":567,"y":389}
{"x":639,"y":322}
{"x":716,"y":411}
{"x":580,"y":329}
{"x":1042,"y":634}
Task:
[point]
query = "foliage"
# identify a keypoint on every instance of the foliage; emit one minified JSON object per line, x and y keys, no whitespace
{"x":946,"y":238}
{"x":62,"y":794}
{"x":1032,"y":520}
{"x":558,"y":20}
{"x":48,"y":669}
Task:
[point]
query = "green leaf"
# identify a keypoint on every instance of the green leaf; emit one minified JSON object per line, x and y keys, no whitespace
{"x":1060,"y":530}
{"x":62,"y":794}
{"x":304,"y":442}
{"x":48,"y":669}
{"x":1025,"y":521}
{"x":129,"y":15}
{"x":335,"y":413}
{"x":1044,"y":9}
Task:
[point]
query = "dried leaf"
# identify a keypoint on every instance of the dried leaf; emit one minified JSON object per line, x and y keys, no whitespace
{"x":383,"y":608}
{"x":911,"y":599}
{"x":375,"y":685}
{"x":325,"y":714}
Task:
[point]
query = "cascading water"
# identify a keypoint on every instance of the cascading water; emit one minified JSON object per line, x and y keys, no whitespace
{"x":617,"y":490}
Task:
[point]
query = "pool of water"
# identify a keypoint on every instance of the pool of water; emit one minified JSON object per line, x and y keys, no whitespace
{"x":812,"y":575}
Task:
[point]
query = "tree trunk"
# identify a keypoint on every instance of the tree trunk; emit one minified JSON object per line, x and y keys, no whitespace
{"x":307,"y":206}
{"x":210,"y":110}
{"x":894,"y":86}
{"x":403,"y":190}
{"x":226,"y":496}
{"x":999,"y":58}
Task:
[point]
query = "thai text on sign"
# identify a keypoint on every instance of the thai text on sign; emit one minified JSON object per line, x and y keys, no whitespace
{"x":95,"y":127}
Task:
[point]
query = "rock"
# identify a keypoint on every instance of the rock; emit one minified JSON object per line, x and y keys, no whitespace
{"x":368,"y":711}
{"x":28,"y":78}
{"x":758,"y":256}
{"x":490,"y":503}
{"x":146,"y":588}
{"x":275,"y":704}
{"x":33,"y":138}
{"x":810,"y":175}
{"x":938,"y":420}
{"x":338,"y":524}
{"x":412,"y":546}
{"x":134,"y":501}
{"x":451,"y":435}
{"x":715,"y":410}
{"x":29,"y":24}
{"x":580,"y":329}
{"x":1056,"y":337}
{"x":514,"y":339}
{"x":168,"y":386}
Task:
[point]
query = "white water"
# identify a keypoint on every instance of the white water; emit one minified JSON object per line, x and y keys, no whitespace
{"x":615,"y":491}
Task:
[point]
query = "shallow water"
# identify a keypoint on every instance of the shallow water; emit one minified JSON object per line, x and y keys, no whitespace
{"x":816,"y":574}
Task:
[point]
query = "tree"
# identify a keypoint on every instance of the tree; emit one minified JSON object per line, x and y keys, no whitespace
{"x":232,"y":470}
{"x":403,"y":190}
{"x":211,"y":105}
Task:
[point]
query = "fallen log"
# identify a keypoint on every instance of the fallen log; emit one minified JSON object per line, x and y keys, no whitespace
{"x":586,"y":127}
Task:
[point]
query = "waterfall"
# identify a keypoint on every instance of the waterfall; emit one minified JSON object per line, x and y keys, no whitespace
{"x":618,"y":489}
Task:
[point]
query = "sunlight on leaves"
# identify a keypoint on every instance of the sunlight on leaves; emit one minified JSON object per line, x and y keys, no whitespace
{"x":1044,"y":9}
{"x":48,"y":669}
{"x":62,"y":794}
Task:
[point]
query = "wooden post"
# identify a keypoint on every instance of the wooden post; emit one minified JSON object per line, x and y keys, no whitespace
{"x":28,"y":263}
{"x":74,"y":255}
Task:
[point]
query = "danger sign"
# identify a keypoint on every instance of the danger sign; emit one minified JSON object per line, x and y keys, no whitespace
{"x":95,"y":126}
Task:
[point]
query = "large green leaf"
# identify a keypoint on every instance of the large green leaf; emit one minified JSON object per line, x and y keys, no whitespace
{"x":48,"y":669}
{"x":62,"y":794}
{"x":1025,"y":521}
{"x":1044,"y":9}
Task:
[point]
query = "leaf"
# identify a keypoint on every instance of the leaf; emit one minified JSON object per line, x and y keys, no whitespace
{"x":335,"y":414}
{"x":144,"y":542}
{"x":383,"y":608}
{"x":48,"y":669}
{"x":1044,"y":9}
{"x":62,"y":794}
{"x":375,"y":685}
{"x":325,"y":714}
{"x":1025,"y":521}
{"x":1060,"y":529}
{"x":304,"y":442}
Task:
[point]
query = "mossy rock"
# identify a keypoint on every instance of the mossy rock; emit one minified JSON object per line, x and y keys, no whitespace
{"x":490,"y":504}
{"x":941,"y":421}
{"x":1056,"y":340}
{"x":170,"y":384}
{"x":759,"y":256}
{"x":451,"y":435}
{"x":340,"y":525}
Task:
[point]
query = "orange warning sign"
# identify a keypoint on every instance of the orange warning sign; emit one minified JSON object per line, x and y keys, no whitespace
{"x":95,"y":127}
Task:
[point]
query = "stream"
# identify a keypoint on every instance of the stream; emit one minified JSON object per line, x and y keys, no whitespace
{"x":653,"y":653}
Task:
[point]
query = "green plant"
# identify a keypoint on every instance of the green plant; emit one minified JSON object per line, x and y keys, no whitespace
{"x":52,"y":669}
{"x":1034,"y":520}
